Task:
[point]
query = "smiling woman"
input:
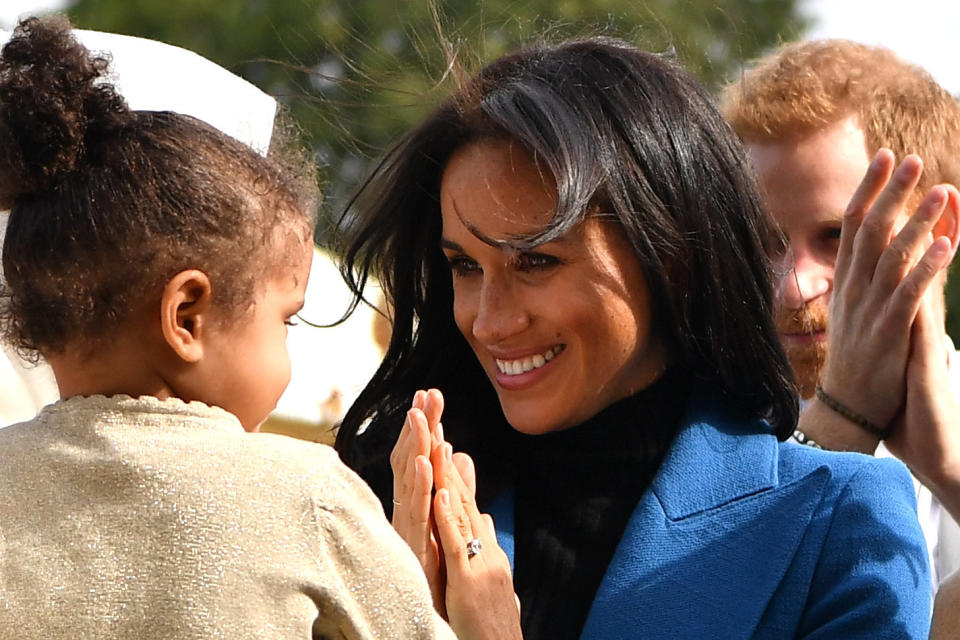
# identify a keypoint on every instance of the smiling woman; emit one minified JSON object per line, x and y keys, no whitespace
{"x":572,"y":248}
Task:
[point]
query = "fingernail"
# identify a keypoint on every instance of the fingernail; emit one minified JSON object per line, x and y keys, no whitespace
{"x":448,"y":452}
{"x":444,"y":496}
{"x":439,"y":432}
{"x":421,"y":467}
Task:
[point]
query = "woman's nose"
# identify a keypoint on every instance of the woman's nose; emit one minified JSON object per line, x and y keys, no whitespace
{"x":804,"y":278}
{"x":500,"y":312}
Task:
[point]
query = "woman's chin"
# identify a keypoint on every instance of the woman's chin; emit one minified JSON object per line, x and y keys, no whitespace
{"x":531,"y":420}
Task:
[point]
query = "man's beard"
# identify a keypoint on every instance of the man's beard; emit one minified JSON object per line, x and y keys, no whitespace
{"x":806,"y":360}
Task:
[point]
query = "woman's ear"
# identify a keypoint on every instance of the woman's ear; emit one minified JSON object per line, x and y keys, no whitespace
{"x":949,"y":223}
{"x":184,"y":313}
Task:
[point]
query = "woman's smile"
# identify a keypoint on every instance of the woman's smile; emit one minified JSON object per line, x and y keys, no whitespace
{"x":521,"y":365}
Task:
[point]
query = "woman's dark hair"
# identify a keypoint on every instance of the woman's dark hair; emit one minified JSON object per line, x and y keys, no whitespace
{"x":107,"y":203}
{"x":615,"y":126}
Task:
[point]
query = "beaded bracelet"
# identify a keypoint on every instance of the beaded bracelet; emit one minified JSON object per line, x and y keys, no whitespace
{"x":851,"y":415}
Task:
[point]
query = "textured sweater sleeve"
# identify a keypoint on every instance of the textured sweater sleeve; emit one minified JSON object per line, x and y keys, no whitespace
{"x":872,"y":579}
{"x":372,"y":586}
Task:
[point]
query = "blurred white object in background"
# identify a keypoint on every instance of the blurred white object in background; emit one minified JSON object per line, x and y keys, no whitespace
{"x":24,"y":387}
{"x":330,"y":365}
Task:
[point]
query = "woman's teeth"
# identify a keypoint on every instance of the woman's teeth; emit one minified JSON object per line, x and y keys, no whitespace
{"x":516,"y":367}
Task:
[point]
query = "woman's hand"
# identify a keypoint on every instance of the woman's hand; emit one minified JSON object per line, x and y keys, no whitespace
{"x":413,"y":487}
{"x":480,"y":599}
{"x":879,"y":284}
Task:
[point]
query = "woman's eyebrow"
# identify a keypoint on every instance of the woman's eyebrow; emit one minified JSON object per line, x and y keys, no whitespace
{"x":450,"y":244}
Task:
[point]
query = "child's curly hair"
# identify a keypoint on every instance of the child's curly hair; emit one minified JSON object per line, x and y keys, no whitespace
{"x":107,"y":204}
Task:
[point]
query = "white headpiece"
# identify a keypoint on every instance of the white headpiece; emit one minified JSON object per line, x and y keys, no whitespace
{"x":153,"y":76}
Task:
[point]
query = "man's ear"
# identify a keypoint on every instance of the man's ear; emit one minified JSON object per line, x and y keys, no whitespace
{"x":949,"y":223}
{"x":185,"y":312}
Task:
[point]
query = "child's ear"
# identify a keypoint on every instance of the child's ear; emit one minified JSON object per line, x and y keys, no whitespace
{"x":184,"y":312}
{"x":949,"y":223}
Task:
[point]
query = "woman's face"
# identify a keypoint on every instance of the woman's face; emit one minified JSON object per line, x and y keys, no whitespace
{"x":562,"y":330}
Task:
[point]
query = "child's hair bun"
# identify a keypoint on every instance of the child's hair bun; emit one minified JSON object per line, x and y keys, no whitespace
{"x":54,"y":112}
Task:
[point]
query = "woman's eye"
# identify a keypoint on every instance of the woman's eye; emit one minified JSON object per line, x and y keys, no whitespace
{"x":461,"y":265}
{"x":534,"y":261}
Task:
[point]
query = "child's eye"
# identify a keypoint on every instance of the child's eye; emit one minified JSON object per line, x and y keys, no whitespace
{"x":290,"y":322}
{"x":535,"y":261}
{"x":462,"y":265}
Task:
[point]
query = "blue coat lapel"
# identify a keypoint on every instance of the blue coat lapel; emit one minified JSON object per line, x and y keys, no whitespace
{"x":710,"y":541}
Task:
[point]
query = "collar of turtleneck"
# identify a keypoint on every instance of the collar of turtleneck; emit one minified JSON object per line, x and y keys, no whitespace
{"x":575,"y":492}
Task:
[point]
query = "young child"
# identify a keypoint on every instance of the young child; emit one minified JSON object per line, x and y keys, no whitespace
{"x":155,"y":263}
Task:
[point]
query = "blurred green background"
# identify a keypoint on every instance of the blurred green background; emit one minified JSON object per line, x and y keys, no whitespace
{"x":357,"y":73}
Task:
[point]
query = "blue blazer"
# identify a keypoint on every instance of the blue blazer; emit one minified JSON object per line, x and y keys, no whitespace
{"x":742,"y":536}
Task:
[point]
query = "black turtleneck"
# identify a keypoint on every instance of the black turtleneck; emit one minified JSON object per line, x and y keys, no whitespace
{"x":575,"y":491}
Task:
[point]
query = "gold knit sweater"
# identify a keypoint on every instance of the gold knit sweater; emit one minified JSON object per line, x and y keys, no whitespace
{"x":136,"y":518}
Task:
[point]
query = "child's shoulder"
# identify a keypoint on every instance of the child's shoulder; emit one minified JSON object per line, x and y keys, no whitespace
{"x":297,"y":450}
{"x":280,"y":455}
{"x":313,"y":467}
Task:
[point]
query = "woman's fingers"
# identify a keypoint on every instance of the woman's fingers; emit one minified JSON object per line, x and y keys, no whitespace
{"x":447,"y":477}
{"x":419,"y":511}
{"x":457,"y":532}
{"x":433,"y":410}
{"x":423,"y":542}
{"x":413,"y":485}
{"x":400,"y":457}
{"x":480,"y":598}
{"x":419,"y":399}
{"x":450,"y":529}
{"x":399,"y":462}
{"x":491,"y":529}
{"x":464,"y":466}
{"x":463,"y":502}
{"x":414,"y":441}
{"x":412,"y":494}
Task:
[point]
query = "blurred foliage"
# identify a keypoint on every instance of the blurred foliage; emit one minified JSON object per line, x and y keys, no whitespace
{"x":357,"y":73}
